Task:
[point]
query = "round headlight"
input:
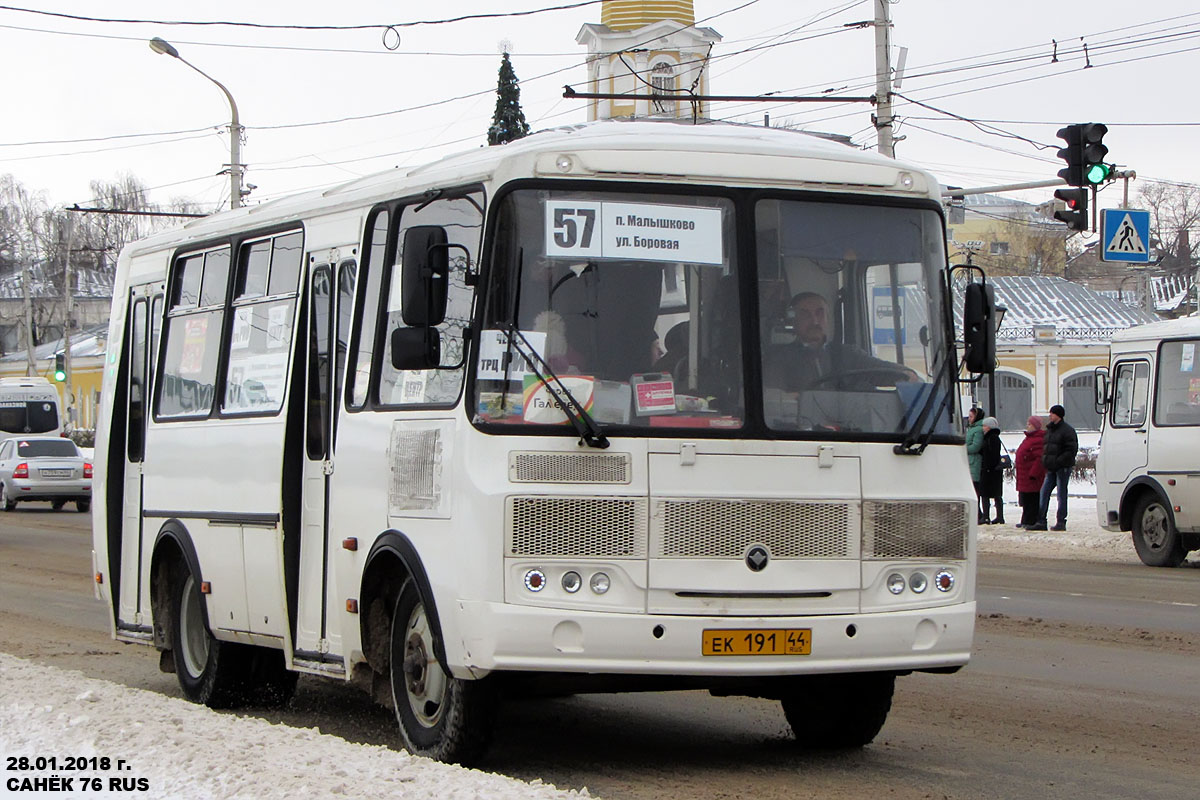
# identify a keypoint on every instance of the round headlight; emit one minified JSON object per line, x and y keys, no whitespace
{"x":944,"y":580}
{"x":535,"y":580}
{"x":918,"y":582}
{"x":563,"y":163}
{"x":571,"y":582}
{"x":895,"y":583}
{"x":599,"y":583}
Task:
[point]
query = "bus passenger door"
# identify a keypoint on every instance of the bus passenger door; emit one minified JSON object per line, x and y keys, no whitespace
{"x":330,"y":293}
{"x":1126,"y":433}
{"x":145,"y":307}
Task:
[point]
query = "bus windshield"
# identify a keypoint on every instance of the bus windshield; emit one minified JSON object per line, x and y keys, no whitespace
{"x":635,"y":303}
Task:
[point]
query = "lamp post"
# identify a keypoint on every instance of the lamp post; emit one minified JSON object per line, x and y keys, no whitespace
{"x":163,"y":47}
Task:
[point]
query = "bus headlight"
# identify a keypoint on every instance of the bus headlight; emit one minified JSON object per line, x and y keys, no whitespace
{"x":599,"y":583}
{"x":571,"y":582}
{"x":895,"y":583}
{"x":944,"y":580}
{"x":918,"y":582}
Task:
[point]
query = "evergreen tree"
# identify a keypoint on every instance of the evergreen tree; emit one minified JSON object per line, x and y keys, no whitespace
{"x":508,"y":123}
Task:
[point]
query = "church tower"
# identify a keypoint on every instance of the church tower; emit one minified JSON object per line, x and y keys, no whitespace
{"x":648,"y":48}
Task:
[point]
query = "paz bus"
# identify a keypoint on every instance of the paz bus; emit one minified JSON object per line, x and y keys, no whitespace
{"x":1148,"y":468}
{"x":528,"y":420}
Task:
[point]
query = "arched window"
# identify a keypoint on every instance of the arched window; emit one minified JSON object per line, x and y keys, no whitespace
{"x":1079,"y":400}
{"x":1014,"y":399}
{"x":662,"y":92}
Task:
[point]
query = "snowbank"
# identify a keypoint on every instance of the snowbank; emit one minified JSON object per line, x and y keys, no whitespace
{"x":172,"y":748}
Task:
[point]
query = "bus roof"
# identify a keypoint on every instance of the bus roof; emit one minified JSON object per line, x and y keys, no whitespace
{"x":1153,"y":331}
{"x":719,"y":153}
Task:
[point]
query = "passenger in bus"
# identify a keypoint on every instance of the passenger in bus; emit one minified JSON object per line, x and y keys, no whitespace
{"x":675,"y":360}
{"x":815,"y":360}
{"x":991,"y":473}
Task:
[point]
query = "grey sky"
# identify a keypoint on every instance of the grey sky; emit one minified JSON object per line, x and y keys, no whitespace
{"x":74,"y":80}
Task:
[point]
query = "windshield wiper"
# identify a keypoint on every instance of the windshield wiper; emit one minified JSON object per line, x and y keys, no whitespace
{"x":917,"y":438}
{"x":587,"y":428}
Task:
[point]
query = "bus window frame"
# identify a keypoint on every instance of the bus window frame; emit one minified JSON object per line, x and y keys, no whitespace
{"x":382,"y":333}
{"x":234,"y":242}
{"x":1133,"y":363}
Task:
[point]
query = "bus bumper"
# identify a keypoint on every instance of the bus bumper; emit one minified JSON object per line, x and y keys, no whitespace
{"x":499,"y":636}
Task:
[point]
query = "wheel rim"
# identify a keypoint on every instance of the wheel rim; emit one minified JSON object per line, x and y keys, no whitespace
{"x":424,"y":681}
{"x":193,"y":637}
{"x":1155,"y":528}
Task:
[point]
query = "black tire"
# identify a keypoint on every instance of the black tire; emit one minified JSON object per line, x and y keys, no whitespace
{"x":83,"y":506}
{"x":1155,"y":537}
{"x":210,"y":671}
{"x":57,"y":505}
{"x":6,"y":502}
{"x":440,"y":716}
{"x":839,"y":711}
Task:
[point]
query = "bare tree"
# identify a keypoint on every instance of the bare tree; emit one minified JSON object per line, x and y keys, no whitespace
{"x":1174,"y":218}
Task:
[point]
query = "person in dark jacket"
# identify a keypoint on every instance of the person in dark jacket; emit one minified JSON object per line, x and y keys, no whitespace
{"x":974,"y":459}
{"x":1058,"y":456}
{"x":991,"y":474}
{"x":1031,"y":472}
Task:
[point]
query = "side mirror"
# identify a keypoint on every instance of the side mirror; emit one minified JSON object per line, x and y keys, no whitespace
{"x":1101,"y":382}
{"x":425,"y":275}
{"x":416,"y":348}
{"x":979,"y":329}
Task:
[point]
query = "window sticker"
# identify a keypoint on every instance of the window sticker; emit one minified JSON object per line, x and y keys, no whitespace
{"x":1187,"y":361}
{"x":242,"y":326}
{"x":544,"y":403}
{"x":279,"y":326}
{"x":494,"y":353}
{"x":633,"y":231}
{"x":653,"y":394}
{"x":195,"y":331}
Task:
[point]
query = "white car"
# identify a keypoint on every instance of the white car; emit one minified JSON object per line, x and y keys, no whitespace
{"x":46,"y":468}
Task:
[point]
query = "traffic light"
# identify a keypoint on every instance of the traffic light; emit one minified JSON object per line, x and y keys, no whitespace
{"x":60,"y":367}
{"x":1084,"y":154}
{"x":1076,"y":212}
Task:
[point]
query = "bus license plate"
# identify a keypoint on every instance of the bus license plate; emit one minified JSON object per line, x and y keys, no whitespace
{"x":757,"y":642}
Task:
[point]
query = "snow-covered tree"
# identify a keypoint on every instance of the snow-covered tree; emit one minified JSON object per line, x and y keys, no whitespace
{"x":508,"y":123}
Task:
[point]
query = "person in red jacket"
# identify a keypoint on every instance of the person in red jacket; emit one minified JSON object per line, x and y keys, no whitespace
{"x":1030,"y":471}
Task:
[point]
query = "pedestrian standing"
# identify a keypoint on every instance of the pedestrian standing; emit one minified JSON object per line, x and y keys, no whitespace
{"x":991,"y":474}
{"x":974,"y":457}
{"x":1058,"y":456}
{"x":1030,"y":471}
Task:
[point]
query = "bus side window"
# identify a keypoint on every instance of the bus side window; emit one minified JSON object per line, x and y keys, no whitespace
{"x":462,"y":219}
{"x":362,"y":347}
{"x":193,"y":336}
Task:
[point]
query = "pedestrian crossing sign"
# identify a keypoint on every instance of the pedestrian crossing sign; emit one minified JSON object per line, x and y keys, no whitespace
{"x":1125,"y":235}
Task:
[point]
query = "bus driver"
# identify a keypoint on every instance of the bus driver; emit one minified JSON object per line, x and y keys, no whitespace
{"x":814,"y":360}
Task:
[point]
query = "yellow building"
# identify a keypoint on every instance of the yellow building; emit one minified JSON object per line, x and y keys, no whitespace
{"x":651,"y":51}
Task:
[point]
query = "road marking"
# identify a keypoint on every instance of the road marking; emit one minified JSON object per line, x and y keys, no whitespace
{"x":1186,"y":605}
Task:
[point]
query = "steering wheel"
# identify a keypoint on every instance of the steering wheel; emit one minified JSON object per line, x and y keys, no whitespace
{"x":866,"y":378}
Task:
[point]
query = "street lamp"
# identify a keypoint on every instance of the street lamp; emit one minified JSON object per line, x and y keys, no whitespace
{"x":163,"y":47}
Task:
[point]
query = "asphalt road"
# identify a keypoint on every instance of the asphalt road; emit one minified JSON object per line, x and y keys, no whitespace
{"x":1083,"y":685}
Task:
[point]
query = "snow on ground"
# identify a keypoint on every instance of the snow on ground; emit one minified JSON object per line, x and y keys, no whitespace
{"x":178,"y":749}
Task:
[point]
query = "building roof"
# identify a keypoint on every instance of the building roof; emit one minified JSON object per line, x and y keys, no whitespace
{"x":1077,"y":313}
{"x":85,"y":343}
{"x":44,"y":282}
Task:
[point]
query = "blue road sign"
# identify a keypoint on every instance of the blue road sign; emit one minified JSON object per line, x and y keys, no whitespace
{"x":1125,"y":235}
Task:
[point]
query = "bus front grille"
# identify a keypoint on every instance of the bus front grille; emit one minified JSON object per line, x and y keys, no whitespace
{"x":576,"y":527}
{"x":535,"y":467}
{"x":726,"y":528}
{"x":914,"y":529}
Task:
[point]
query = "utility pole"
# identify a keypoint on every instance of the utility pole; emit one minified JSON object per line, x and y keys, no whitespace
{"x":883,"y":78}
{"x":69,"y":295}
{"x":26,"y":290}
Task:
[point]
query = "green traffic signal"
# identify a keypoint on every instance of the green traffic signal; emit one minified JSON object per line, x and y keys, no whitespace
{"x":60,"y":367}
{"x":1098,"y":173}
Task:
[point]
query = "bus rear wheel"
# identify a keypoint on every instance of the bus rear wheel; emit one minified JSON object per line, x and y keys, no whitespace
{"x":208,"y":669}
{"x":1155,"y":537}
{"x":839,"y":711}
{"x":440,"y":716}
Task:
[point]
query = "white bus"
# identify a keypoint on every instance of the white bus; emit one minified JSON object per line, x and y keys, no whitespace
{"x":419,"y":432}
{"x":29,"y":406}
{"x":1148,"y":469}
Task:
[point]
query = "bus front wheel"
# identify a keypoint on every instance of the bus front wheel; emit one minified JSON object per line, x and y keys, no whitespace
{"x":1155,"y":537}
{"x":440,"y":716}
{"x":839,"y":711}
{"x":208,"y":669}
